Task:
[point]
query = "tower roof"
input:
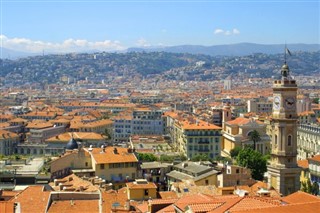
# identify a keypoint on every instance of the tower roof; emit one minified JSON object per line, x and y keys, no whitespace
{"x":285,"y":70}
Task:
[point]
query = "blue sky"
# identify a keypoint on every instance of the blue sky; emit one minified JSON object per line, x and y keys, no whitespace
{"x":112,"y":25}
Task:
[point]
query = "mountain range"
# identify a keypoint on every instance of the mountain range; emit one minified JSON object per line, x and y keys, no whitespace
{"x":239,"y":49}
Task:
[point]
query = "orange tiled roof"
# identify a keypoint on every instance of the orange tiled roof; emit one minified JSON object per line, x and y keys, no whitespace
{"x":204,"y":207}
{"x":300,"y":197}
{"x":253,"y":202}
{"x":149,"y":185}
{"x":303,"y":163}
{"x":109,"y":155}
{"x":7,"y":207}
{"x":198,"y":125}
{"x":75,"y":206}
{"x":304,"y":207}
{"x":168,"y":195}
{"x":315,"y":158}
{"x":65,"y":137}
{"x":6,"y":134}
{"x":76,"y":183}
{"x":241,"y":121}
{"x":39,"y":125}
{"x":33,"y":199}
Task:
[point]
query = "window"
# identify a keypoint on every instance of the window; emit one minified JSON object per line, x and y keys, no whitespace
{"x":86,"y":164}
{"x":207,"y":182}
{"x":146,"y":192}
{"x":237,"y":171}
{"x":289,"y":140}
{"x":101,"y":166}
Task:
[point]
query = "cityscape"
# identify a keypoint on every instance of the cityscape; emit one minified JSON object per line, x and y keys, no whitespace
{"x":157,"y":117}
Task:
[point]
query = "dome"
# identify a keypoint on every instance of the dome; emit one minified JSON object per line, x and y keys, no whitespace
{"x":285,"y":70}
{"x":285,"y":66}
{"x":72,"y":144}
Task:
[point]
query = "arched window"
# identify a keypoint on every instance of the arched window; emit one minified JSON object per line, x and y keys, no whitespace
{"x":276,"y":139}
{"x":289,"y":140}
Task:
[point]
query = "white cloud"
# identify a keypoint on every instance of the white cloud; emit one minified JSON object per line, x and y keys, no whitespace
{"x":235,"y":31}
{"x":142,"y":43}
{"x":226,"y":32}
{"x":69,"y":45}
{"x":218,"y":31}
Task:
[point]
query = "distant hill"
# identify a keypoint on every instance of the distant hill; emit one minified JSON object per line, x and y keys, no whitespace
{"x":239,"y":49}
{"x":12,"y":54}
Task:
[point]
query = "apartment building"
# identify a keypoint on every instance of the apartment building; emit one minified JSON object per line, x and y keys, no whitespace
{"x":259,"y":106}
{"x":115,"y":165}
{"x":236,"y":133}
{"x":192,"y":137}
{"x":8,"y":142}
{"x":308,"y":140}
{"x":201,"y":175}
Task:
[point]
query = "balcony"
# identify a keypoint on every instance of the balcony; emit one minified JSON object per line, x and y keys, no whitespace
{"x":204,"y":150}
{"x":204,"y":142}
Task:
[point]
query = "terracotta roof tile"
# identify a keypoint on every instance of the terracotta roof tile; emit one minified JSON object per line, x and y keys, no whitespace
{"x":204,"y":207}
{"x":300,"y":197}
{"x":109,"y":156}
{"x":252,"y":203}
{"x":33,"y":199}
{"x":6,"y":207}
{"x":76,"y":206}
{"x":315,"y":158}
{"x":303,"y":207}
{"x":134,"y":185}
{"x":303,"y":163}
{"x":168,"y":195}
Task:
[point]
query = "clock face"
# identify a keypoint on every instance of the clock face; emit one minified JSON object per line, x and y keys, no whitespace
{"x":290,"y":102}
{"x":276,"y":102}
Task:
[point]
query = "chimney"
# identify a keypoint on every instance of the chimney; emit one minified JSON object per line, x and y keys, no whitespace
{"x":102,"y":149}
{"x":115,"y":151}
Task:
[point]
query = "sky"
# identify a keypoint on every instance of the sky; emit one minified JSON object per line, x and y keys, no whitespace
{"x":105,"y":25}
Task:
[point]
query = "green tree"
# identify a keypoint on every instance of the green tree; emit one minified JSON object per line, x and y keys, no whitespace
{"x":147,"y":157}
{"x":200,"y":157}
{"x":253,"y":160}
{"x":255,"y":137}
{"x":315,"y":188}
{"x":235,"y":151}
{"x":306,"y":186}
{"x":166,"y":158}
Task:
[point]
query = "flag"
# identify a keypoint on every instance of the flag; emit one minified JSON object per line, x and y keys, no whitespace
{"x":288,"y":51}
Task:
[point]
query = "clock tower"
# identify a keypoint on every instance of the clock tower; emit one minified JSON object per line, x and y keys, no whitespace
{"x":283,"y":172}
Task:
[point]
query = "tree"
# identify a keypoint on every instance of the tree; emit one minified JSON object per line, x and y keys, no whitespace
{"x":255,"y":137}
{"x":147,"y":157}
{"x":235,"y":151}
{"x":306,"y":186}
{"x":200,"y":157}
{"x":311,"y":188}
{"x":315,"y":188}
{"x":253,"y":160}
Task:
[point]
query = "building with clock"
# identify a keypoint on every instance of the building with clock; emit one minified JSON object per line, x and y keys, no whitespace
{"x":283,"y":172}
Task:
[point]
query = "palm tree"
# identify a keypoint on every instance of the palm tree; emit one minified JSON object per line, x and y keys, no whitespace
{"x":255,"y":137}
